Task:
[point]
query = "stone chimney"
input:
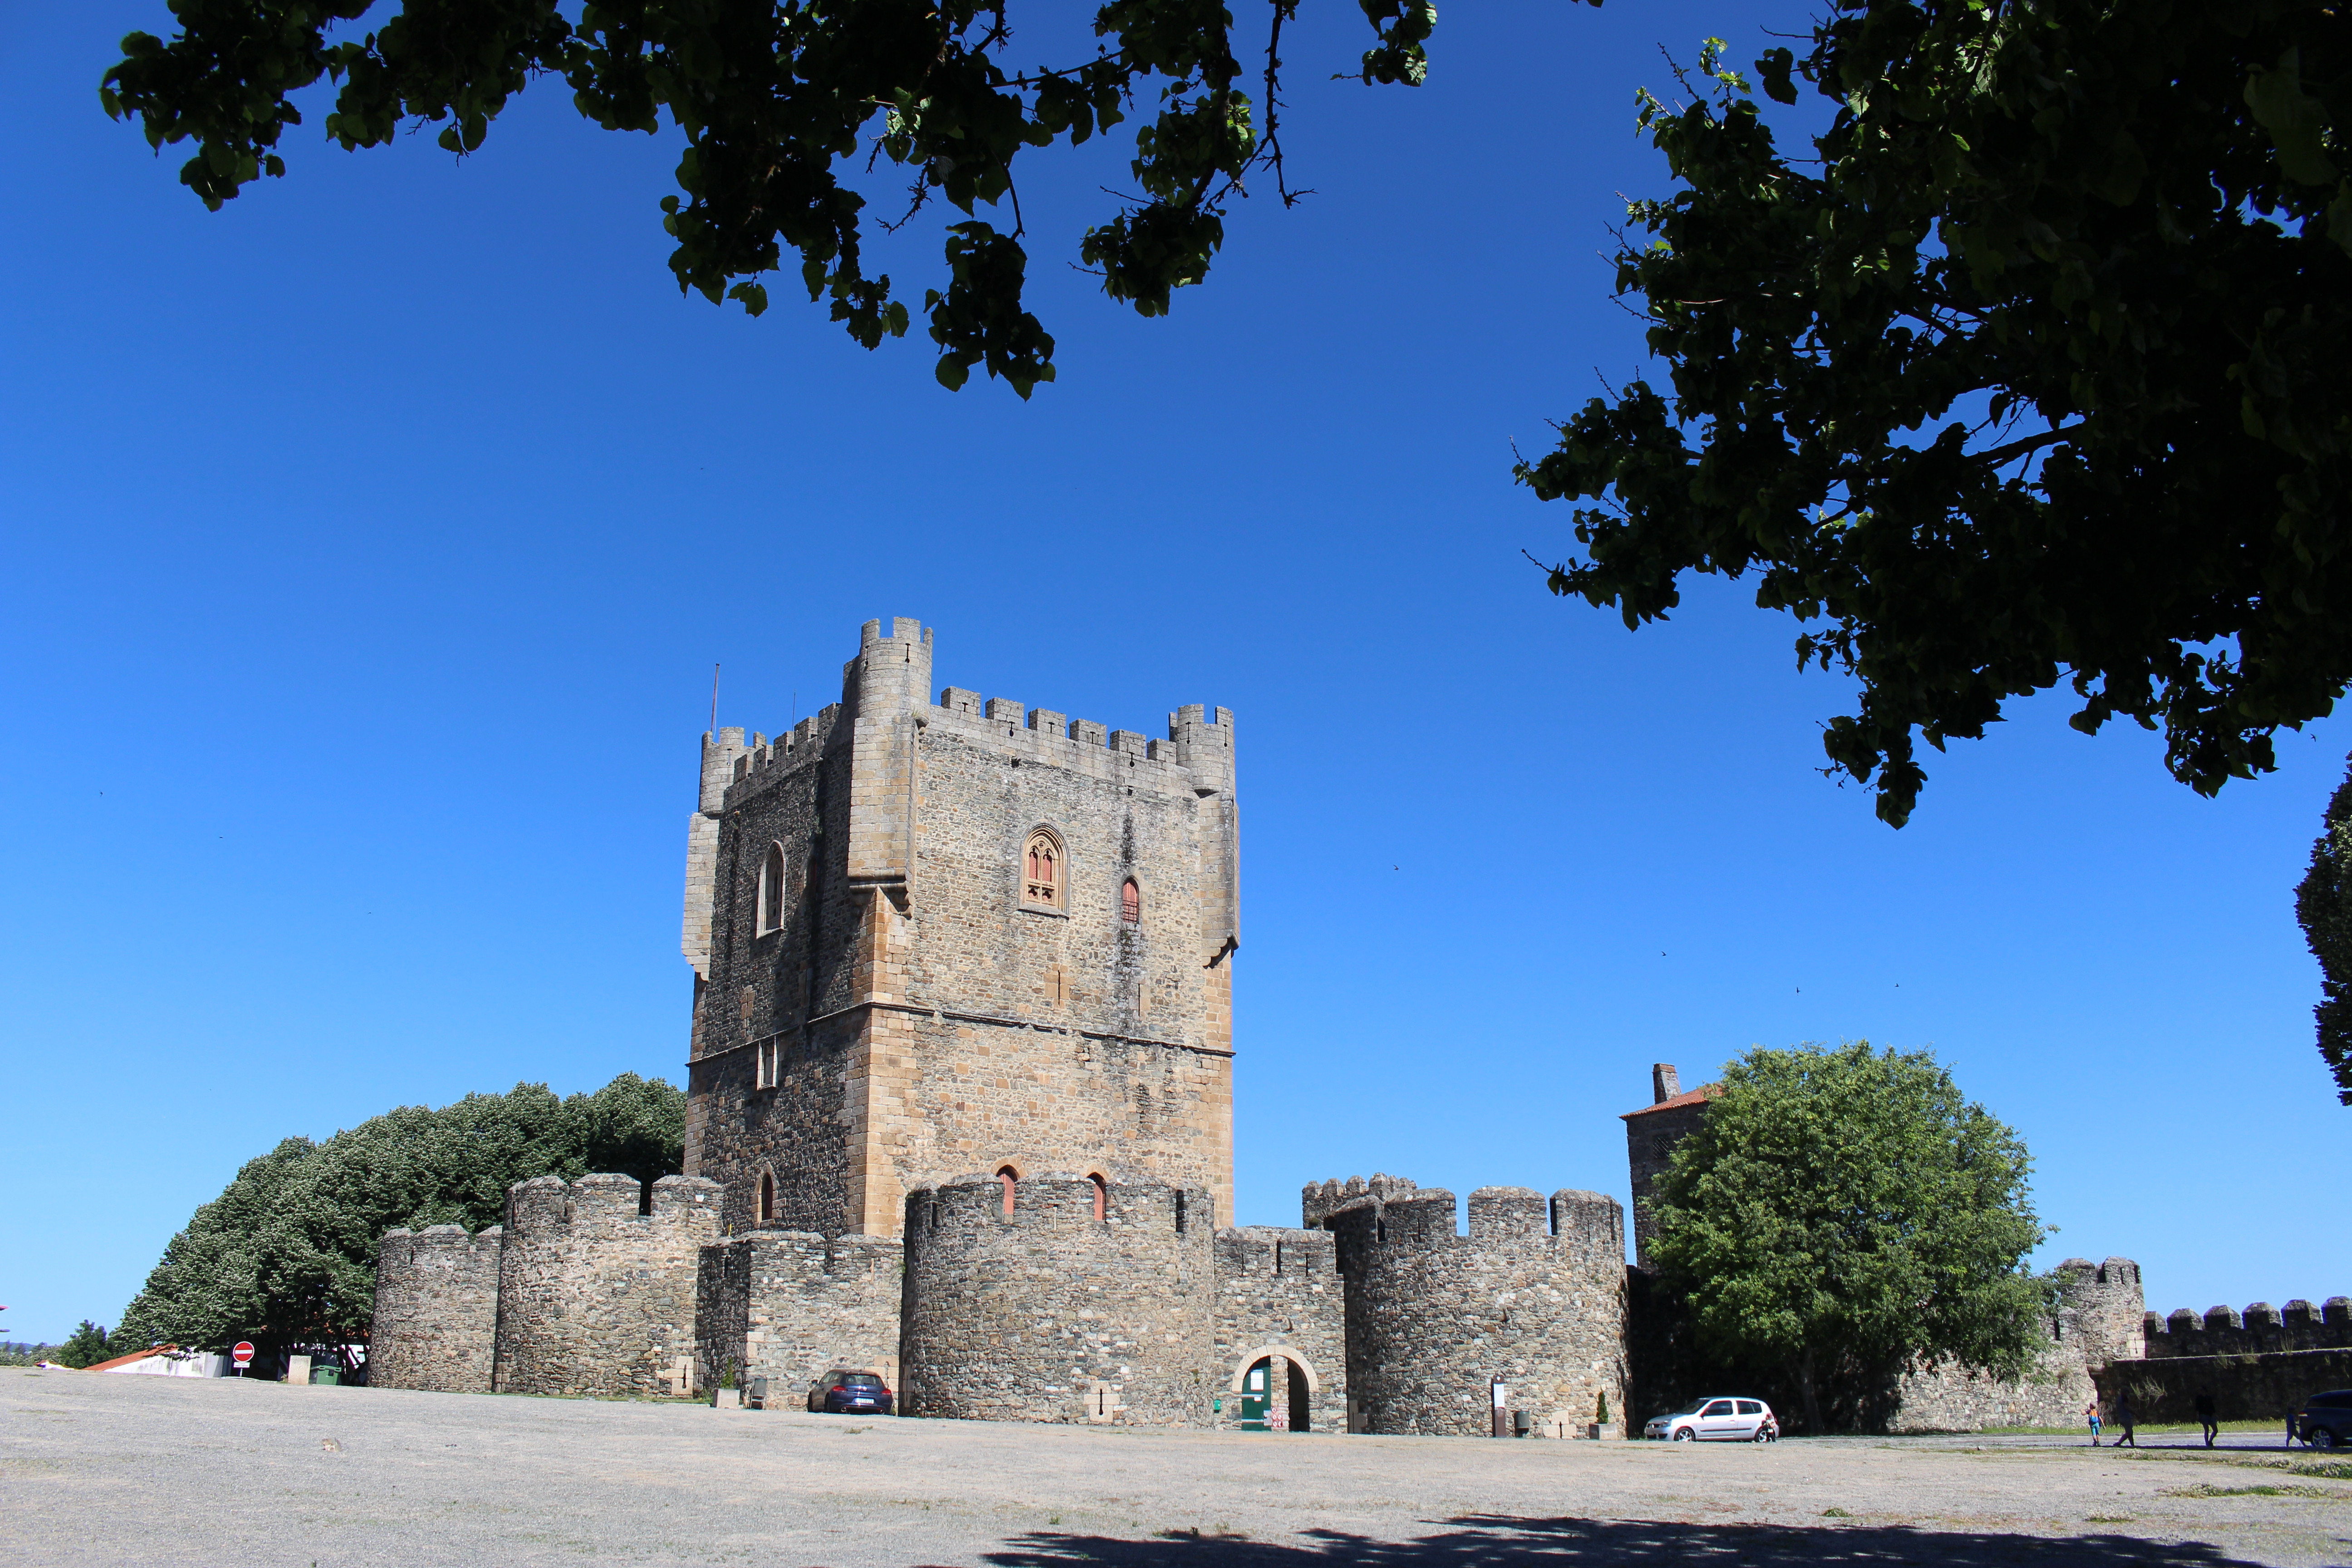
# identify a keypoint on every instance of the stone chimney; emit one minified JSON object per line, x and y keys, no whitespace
{"x":1665,"y":1083}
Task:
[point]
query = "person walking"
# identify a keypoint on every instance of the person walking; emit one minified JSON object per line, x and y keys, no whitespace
{"x":2091,"y":1414}
{"x":2123,"y":1419}
{"x":2211,"y":1427}
{"x":2291,"y":1433}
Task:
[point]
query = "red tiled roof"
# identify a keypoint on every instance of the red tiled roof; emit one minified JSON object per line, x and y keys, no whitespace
{"x":127,"y":1360}
{"x":1702,"y":1093}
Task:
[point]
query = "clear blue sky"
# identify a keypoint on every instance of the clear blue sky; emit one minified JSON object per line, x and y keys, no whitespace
{"x":369,"y":544}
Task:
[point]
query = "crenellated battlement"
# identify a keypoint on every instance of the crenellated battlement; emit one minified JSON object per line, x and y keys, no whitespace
{"x":1061,"y":1200}
{"x":1202,"y":746}
{"x":2259,"y":1328}
{"x":1319,"y":1200}
{"x":1250,"y":1251}
{"x":546,"y":1204}
{"x":753,"y":762}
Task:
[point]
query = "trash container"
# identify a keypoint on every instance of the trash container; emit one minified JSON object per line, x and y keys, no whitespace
{"x":327,"y":1374}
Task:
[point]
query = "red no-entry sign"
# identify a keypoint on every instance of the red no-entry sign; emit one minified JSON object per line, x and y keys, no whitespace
{"x":241,"y":1353}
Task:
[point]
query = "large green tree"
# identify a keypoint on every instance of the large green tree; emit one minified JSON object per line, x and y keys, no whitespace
{"x":2029,"y":367}
{"x":286,"y":1255}
{"x":2324,"y":904}
{"x":1843,"y":1213}
{"x":776,"y":102}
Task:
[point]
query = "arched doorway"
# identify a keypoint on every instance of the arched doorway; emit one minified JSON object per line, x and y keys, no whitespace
{"x":1274,"y":1391}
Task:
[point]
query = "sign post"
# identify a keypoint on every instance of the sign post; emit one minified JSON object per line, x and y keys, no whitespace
{"x":240,"y":1353}
{"x":1502,"y":1408}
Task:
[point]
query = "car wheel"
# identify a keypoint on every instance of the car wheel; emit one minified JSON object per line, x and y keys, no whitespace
{"x":1685,"y":1434}
{"x":1765,"y":1434}
{"x":2323,"y":1438}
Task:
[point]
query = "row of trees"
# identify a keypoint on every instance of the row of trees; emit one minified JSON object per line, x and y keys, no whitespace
{"x":86,"y":1346}
{"x":286,"y":1255}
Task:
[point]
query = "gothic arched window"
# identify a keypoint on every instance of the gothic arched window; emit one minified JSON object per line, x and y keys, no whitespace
{"x":767,"y":1197}
{"x":1044,"y":870}
{"x":772,"y":890}
{"x":1008,"y":1175}
{"x":1131,"y":903}
{"x":1102,"y":1197}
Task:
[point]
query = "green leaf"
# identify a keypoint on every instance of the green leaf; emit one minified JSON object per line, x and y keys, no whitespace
{"x":2296,"y":122}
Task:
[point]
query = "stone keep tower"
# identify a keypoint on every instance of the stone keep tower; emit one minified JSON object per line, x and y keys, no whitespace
{"x":931,"y":938}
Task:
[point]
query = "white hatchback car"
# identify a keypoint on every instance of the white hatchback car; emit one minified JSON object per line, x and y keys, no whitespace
{"x":1716,"y":1420}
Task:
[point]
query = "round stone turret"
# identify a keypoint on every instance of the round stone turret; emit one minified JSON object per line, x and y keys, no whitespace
{"x":436,"y":1309}
{"x":596,"y":1283}
{"x":1053,"y":1311}
{"x":1532,"y":1300}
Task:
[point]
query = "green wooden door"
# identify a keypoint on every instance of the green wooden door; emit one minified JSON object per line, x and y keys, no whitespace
{"x":1258,"y":1398}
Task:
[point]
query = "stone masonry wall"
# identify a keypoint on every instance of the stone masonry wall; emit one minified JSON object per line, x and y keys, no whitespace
{"x":595,"y":1298}
{"x":1533,"y":1297}
{"x":1050,"y":1314}
{"x":2097,"y":1323}
{"x":436,"y":1309}
{"x":2261,"y":1329}
{"x":791,"y":1305}
{"x":2258,"y":1387}
{"x":1279,"y":1291}
{"x":2052,"y":1393}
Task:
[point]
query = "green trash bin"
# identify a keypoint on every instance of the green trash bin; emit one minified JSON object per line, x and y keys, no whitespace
{"x":327,"y":1374}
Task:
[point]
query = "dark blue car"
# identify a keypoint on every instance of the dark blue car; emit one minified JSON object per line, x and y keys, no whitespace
{"x":2325,"y":1420}
{"x":843,"y":1392}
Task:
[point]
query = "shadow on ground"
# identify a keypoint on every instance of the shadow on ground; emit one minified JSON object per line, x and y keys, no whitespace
{"x":1478,"y":1541}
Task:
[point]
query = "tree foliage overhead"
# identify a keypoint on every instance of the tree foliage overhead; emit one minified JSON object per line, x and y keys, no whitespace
{"x":2324,"y":904}
{"x":2033,"y":371}
{"x":774,"y":100}
{"x":1842,"y":1214}
{"x":286,"y":1253}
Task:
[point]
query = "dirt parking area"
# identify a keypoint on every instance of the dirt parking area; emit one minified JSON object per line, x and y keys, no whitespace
{"x":102,"y":1469}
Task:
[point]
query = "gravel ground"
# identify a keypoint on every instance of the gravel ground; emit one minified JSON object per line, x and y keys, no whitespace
{"x":99,"y":1469}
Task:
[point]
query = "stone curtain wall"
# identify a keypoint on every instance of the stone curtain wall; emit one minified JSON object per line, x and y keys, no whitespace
{"x":2258,"y":1387}
{"x":2052,"y":1393}
{"x":436,"y":1309}
{"x":595,"y":1298}
{"x":1053,"y":1315}
{"x":2261,"y":1329}
{"x":791,"y":1305}
{"x":1280,"y":1289}
{"x":2099,"y":1322}
{"x":1534,"y":1297}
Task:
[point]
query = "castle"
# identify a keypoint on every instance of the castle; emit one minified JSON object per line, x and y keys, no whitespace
{"x":960,"y":1111}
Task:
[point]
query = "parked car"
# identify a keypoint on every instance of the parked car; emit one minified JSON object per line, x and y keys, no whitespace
{"x":2326,"y":1419}
{"x":841,"y":1392}
{"x":1719,"y":1419}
